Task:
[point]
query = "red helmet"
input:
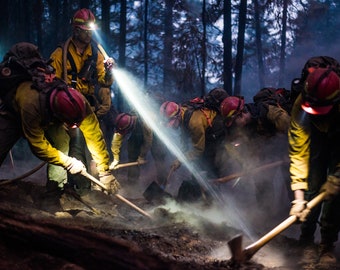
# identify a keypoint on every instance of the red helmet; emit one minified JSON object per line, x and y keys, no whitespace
{"x":232,"y":106}
{"x":68,"y":105}
{"x":124,"y":123}
{"x":321,"y":91}
{"x":84,"y":19}
{"x":171,"y":111}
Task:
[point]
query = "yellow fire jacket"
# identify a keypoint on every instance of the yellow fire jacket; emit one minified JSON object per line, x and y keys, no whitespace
{"x":196,"y":130}
{"x":86,"y":88}
{"x":299,"y":136}
{"x":27,"y":104}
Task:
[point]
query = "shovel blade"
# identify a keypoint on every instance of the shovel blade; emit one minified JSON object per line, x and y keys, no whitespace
{"x":155,"y":193}
{"x":235,"y":246}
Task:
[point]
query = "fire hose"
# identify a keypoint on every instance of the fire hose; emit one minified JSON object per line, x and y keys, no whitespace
{"x":35,"y":169}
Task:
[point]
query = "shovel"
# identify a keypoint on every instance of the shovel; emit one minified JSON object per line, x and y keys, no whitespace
{"x":156,"y":192}
{"x":128,"y":164}
{"x":120,"y":197}
{"x":251,"y":171}
{"x":235,"y":245}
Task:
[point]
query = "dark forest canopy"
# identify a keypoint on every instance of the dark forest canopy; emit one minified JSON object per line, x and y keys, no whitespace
{"x":181,"y":48}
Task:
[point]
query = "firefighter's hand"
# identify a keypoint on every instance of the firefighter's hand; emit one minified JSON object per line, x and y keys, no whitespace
{"x":300,"y":210}
{"x":141,"y":160}
{"x":110,"y":182}
{"x":175,"y":165}
{"x":109,"y":64}
{"x":114,"y":164}
{"x":75,"y":166}
{"x":331,"y":187}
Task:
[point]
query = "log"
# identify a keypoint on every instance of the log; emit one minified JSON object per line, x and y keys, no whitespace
{"x":76,"y":244}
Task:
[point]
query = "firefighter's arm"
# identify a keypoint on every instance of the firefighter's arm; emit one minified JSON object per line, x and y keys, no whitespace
{"x":197,"y":128}
{"x":147,"y":142}
{"x":299,"y":151}
{"x":57,"y":62}
{"x":105,"y":77}
{"x":28,"y":106}
{"x":95,"y":140}
{"x":116,"y":144}
{"x":279,"y":117}
{"x":104,"y":94}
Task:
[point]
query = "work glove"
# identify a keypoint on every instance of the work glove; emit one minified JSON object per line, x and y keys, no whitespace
{"x":75,"y":166}
{"x":300,"y":210}
{"x":109,"y":64}
{"x":110,"y":182}
{"x":141,"y":161}
{"x":331,"y":187}
{"x":114,"y":164}
{"x":175,"y":165}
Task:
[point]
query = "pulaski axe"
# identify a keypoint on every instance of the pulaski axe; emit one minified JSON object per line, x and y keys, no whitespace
{"x":235,"y":245}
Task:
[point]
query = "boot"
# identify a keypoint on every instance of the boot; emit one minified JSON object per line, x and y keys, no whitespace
{"x":327,"y":256}
{"x":51,"y":198}
{"x":309,"y":251}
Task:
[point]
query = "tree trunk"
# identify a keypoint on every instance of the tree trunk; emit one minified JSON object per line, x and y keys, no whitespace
{"x":283,"y":43}
{"x":259,"y":43}
{"x":227,"y":45}
{"x":146,"y":24}
{"x":122,"y":49}
{"x":168,"y":43}
{"x":204,"y":50}
{"x":105,"y":22}
{"x":240,"y":46}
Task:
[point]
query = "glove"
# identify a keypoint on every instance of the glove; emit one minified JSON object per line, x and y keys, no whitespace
{"x":300,"y":210}
{"x":113,"y":164}
{"x":110,"y":182}
{"x":141,"y":161}
{"x":75,"y":166}
{"x":175,"y":165}
{"x":331,"y":187}
{"x":109,"y":64}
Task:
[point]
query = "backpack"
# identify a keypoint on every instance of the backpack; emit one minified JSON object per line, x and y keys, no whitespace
{"x":23,"y":62}
{"x":211,"y":101}
{"x":274,"y":96}
{"x":312,"y":64}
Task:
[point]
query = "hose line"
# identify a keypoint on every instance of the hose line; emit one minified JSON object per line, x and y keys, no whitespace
{"x":9,"y":181}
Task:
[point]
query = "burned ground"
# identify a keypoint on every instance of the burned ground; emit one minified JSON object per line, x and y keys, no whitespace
{"x":102,"y":232}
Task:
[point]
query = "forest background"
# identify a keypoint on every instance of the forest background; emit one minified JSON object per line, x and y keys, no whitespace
{"x":182,"y":49}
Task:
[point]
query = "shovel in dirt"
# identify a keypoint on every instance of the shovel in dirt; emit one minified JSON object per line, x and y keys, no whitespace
{"x":235,"y":245}
{"x":120,"y":197}
{"x":156,"y":192}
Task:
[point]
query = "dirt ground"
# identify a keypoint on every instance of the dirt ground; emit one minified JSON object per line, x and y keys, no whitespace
{"x":102,"y":232}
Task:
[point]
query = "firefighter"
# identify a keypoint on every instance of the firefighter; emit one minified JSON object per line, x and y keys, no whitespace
{"x":314,"y":150}
{"x":201,"y":132}
{"x":139,"y":137}
{"x":259,"y":131}
{"x":42,"y":120}
{"x":82,"y":65}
